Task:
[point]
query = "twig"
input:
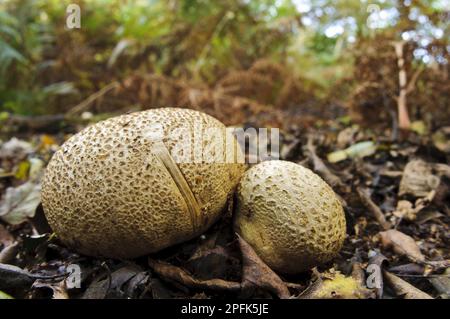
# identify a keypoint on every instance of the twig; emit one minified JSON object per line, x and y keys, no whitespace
{"x":90,"y":99}
{"x":413,"y":80}
{"x":403,"y":116}
{"x":177,"y":274}
{"x":405,"y":86}
{"x":373,"y":208}
{"x":421,"y":276}
{"x":321,"y":168}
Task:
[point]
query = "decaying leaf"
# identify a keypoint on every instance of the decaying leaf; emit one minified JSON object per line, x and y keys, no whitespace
{"x":20,"y":203}
{"x":13,"y":277}
{"x":406,"y":210}
{"x":334,"y":285}
{"x":403,"y":288}
{"x":98,"y":289}
{"x":408,"y":269}
{"x":8,"y":253}
{"x":346,"y":136}
{"x":5,"y":236}
{"x":58,"y":289}
{"x":442,"y":195}
{"x":212,"y":263}
{"x":418,"y":179}
{"x":427,"y":215}
{"x":176,"y":274}
{"x":402,"y":244}
{"x":162,"y":290}
{"x":15,"y":148}
{"x":121,"y":283}
{"x":256,"y":273}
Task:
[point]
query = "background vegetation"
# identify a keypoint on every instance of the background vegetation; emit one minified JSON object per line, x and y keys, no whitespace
{"x":331,"y":52}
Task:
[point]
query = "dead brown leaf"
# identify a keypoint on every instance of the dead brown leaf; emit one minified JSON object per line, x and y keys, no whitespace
{"x":256,"y":273}
{"x":334,"y":285}
{"x":216,"y":262}
{"x":176,"y":274}
{"x":121,"y":283}
{"x":405,"y":210}
{"x":8,"y":253}
{"x":402,"y":244}
{"x":418,"y":179}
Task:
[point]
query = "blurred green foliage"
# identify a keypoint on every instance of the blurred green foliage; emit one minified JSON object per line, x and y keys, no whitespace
{"x":41,"y":60}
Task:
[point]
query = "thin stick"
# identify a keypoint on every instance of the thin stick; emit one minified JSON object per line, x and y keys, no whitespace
{"x":91,"y":98}
{"x":373,"y":208}
{"x":320,"y":167}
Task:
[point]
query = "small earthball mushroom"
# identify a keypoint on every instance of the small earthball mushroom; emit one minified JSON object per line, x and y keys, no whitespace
{"x":289,"y":215}
{"x":117,"y":189}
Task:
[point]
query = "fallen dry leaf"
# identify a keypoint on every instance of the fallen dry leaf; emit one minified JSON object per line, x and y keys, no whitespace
{"x":15,"y":148}
{"x":418,"y":179}
{"x":177,"y":274}
{"x":405,"y":210}
{"x":122,"y":283}
{"x":6,"y":238}
{"x":20,"y":203}
{"x":408,"y":269}
{"x":256,"y":273}
{"x":13,"y":277}
{"x":8,"y":253}
{"x":213,"y":263}
{"x":402,"y":244}
{"x":58,"y":289}
{"x":334,"y":285}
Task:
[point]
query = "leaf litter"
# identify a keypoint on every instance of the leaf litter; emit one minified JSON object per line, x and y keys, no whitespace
{"x":395,"y":195}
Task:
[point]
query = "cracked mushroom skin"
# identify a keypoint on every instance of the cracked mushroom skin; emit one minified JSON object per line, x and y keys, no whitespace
{"x":114,"y":191}
{"x":289,"y":215}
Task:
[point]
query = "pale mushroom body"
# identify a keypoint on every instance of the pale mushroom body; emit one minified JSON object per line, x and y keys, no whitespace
{"x":289,"y":215}
{"x":116,"y":189}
